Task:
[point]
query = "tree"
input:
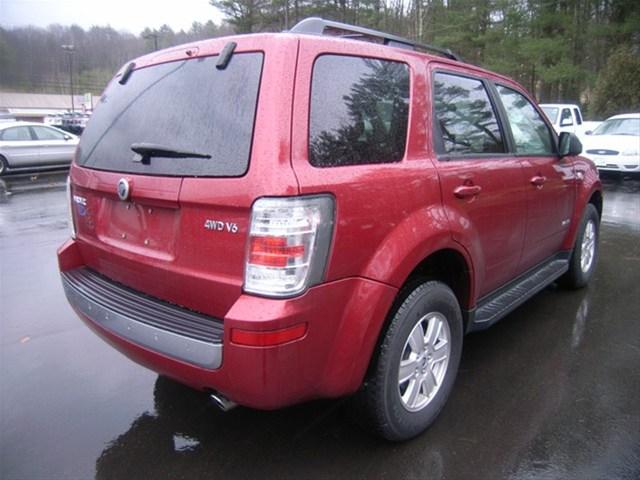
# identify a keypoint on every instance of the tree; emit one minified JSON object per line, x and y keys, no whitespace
{"x":246,"y":16}
{"x":618,"y":87}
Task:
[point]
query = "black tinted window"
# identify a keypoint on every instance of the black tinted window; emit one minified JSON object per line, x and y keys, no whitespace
{"x":529,"y":131}
{"x":359,"y":111}
{"x":466,"y":119}
{"x":186,"y":105}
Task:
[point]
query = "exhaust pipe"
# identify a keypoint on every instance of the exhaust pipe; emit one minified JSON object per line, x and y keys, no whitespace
{"x":222,"y":402}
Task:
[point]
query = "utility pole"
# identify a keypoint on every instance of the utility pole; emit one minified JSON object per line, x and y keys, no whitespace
{"x":70,"y":49}
{"x":155,"y":36}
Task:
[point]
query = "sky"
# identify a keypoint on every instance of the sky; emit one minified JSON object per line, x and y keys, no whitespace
{"x":130,"y":15}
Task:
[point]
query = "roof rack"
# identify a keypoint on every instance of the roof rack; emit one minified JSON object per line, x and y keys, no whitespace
{"x":320,"y":26}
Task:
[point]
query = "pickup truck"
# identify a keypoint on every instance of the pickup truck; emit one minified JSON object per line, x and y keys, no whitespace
{"x":567,"y":117}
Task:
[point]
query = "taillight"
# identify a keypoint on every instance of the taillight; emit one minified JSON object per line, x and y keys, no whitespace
{"x":72,"y":225}
{"x":289,"y":241}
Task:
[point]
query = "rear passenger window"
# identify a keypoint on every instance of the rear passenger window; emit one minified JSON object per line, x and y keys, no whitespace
{"x":16,"y":134}
{"x":530,"y":132}
{"x":465,"y":116}
{"x":359,"y":111}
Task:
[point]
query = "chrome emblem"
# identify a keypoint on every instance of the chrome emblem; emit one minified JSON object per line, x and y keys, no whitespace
{"x":123,"y":189}
{"x":218,"y":226}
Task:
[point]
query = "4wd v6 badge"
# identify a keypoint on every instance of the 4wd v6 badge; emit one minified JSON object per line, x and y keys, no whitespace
{"x":218,"y":226}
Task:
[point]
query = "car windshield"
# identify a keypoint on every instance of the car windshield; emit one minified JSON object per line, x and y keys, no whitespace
{"x":619,"y":126}
{"x":551,"y":113}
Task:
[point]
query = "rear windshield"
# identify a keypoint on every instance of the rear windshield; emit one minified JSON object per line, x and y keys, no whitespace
{"x":186,"y":106}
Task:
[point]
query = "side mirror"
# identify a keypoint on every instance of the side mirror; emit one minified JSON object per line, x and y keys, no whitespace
{"x":67,"y":137}
{"x":569,"y":145}
{"x":588,"y":132}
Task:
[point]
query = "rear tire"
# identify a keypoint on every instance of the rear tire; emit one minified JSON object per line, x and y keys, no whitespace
{"x":416,"y":367}
{"x":3,"y":165}
{"x":585,"y":251}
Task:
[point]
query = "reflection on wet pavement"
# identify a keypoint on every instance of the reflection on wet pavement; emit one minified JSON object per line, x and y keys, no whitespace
{"x":551,"y":392}
{"x":622,"y":200}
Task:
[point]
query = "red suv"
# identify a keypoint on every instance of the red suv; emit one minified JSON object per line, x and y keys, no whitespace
{"x":281,"y":217}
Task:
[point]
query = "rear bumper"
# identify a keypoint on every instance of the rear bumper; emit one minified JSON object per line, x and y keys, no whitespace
{"x":147,"y":322}
{"x":343,"y":320}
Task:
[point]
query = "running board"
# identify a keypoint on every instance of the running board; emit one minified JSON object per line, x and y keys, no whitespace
{"x":496,"y":305}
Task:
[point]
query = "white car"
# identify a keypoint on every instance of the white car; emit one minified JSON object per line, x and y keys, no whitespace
{"x":615,"y":145}
{"x":34,"y":146}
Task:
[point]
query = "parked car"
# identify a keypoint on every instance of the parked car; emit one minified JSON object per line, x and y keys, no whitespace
{"x":34,"y":146}
{"x":74,"y":122}
{"x":567,"y":117}
{"x":615,"y":145}
{"x":54,"y":120}
{"x":275,"y":218}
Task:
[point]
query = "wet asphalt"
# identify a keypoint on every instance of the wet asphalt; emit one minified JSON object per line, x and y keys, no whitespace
{"x":550,"y":392}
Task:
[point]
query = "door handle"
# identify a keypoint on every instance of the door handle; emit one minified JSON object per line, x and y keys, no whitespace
{"x":538,"y":180}
{"x":467,"y":191}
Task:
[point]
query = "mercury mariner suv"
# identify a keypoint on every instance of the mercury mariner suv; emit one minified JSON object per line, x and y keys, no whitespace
{"x":275,"y":218}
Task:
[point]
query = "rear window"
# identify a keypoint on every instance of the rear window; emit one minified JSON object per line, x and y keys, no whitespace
{"x":359,"y":111}
{"x":187,"y":106}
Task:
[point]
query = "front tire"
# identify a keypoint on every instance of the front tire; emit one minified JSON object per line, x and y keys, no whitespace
{"x":418,"y":360}
{"x":585,"y":251}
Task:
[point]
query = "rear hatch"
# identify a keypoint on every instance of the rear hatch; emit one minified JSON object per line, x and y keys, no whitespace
{"x":196,"y":144}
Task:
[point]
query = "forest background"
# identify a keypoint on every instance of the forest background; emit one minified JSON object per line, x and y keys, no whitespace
{"x":575,"y":51}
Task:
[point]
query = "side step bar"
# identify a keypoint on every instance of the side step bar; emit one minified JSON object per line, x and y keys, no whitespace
{"x":498,"y":304}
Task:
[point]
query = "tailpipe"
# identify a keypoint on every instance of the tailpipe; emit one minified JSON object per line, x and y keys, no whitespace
{"x":222,"y":402}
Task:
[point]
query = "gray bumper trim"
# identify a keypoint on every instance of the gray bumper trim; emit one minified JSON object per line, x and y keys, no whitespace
{"x":203,"y":354}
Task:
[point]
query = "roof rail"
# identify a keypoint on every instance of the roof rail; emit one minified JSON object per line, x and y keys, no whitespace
{"x":318,"y":26}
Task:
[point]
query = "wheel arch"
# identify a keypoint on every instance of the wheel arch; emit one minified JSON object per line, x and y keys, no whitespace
{"x":448,"y":265}
{"x":4,"y":164}
{"x":596,"y":201}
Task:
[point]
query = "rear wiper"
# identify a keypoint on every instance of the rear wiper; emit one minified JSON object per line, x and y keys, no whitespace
{"x":148,"y":150}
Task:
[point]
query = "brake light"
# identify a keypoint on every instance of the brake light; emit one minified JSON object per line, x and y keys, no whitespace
{"x":288,"y":245}
{"x":273,"y":251}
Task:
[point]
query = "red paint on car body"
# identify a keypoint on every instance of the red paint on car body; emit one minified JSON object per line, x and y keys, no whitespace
{"x":389,"y":218}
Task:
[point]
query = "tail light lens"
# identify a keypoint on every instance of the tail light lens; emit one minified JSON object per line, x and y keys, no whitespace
{"x":72,"y":224}
{"x":288,"y":245}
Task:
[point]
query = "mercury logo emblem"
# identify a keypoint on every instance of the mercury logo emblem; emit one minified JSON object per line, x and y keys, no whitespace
{"x":123,"y":189}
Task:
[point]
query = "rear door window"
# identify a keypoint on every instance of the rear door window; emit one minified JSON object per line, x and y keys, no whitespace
{"x":359,"y":111}
{"x":187,"y":106}
{"x":16,"y":134}
{"x":466,"y":119}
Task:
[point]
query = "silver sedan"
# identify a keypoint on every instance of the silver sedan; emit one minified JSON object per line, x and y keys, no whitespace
{"x":34,"y":146}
